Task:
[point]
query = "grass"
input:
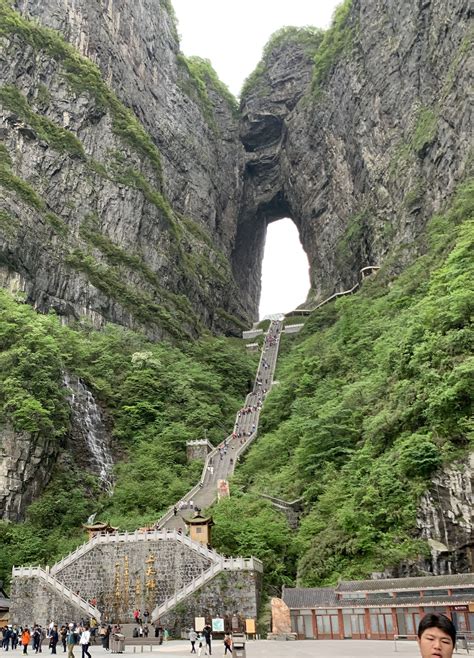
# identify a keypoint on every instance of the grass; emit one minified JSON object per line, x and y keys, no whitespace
{"x":337,"y":40}
{"x":58,"y":138}
{"x":424,"y":131}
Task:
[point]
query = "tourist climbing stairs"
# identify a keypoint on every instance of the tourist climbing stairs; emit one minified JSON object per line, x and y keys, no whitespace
{"x":220,"y":462}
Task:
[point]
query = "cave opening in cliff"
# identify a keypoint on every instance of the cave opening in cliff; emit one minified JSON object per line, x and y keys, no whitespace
{"x":285,"y":269}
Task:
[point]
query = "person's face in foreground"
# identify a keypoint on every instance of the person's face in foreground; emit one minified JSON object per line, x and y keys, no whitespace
{"x":435,"y":643}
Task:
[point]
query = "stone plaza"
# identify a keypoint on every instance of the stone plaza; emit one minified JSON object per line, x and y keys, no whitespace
{"x":275,"y":649}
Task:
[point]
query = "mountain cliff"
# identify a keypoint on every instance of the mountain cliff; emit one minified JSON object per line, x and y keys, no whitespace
{"x":135,"y":192}
{"x":120,"y":155}
{"x":359,"y":135}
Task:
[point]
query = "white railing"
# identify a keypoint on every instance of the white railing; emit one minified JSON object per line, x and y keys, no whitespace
{"x":137,"y":536}
{"x":225,"y":564}
{"x":66,"y":593}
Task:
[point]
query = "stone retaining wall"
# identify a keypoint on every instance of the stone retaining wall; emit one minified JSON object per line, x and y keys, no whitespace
{"x":229,"y":594}
{"x":123,"y":576}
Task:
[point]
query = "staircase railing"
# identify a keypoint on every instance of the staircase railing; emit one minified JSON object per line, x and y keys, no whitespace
{"x":65,"y":592}
{"x":225,"y":564}
{"x":364,"y":273}
{"x":137,"y":536}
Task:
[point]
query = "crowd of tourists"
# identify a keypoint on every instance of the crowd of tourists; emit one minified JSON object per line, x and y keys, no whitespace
{"x":55,"y":637}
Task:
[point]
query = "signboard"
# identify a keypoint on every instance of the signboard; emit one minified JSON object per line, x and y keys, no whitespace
{"x":199,"y":623}
{"x":460,"y":607}
{"x":471,"y":607}
{"x":222,"y":489}
{"x":250,"y":626}
{"x":218,"y":625}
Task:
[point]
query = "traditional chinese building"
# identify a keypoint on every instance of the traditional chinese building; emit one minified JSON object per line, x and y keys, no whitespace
{"x":200,"y":528}
{"x":379,"y":609}
{"x":99,"y":529}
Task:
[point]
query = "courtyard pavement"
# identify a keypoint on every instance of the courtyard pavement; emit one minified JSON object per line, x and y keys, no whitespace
{"x":275,"y":649}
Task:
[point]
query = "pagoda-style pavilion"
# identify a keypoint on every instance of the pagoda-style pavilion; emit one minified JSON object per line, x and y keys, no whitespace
{"x":99,"y":529}
{"x":200,"y":528}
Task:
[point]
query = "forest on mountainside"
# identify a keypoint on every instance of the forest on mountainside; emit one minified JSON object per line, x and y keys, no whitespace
{"x":373,"y":396}
{"x":157,"y":396}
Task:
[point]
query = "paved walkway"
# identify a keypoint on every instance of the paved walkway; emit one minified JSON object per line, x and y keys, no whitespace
{"x":299,"y":649}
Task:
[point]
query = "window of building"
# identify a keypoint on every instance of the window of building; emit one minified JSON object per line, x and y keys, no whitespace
{"x":465,"y":591}
{"x":411,"y":594}
{"x":327,"y":624}
{"x":352,"y":595}
{"x":435,"y":592}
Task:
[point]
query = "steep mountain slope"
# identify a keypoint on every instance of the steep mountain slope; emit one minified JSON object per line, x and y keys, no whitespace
{"x":359,"y":143}
{"x":100,"y":217}
{"x":133,"y":193}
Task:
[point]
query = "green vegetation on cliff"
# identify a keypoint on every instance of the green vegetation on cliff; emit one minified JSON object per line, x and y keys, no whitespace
{"x":308,"y":38}
{"x":202,"y":77}
{"x":157,"y":396}
{"x":374,"y":396}
{"x":336,"y":40}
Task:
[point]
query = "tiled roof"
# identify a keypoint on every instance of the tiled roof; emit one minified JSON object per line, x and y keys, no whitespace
{"x":325,"y":597}
{"x":309,"y":597}
{"x":395,"y":584}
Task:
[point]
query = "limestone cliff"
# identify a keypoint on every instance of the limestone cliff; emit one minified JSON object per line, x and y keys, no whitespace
{"x":135,"y":216}
{"x":116,"y":211}
{"x":362,"y":146}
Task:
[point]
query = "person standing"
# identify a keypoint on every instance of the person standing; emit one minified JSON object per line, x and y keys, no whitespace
{"x":14,"y":637}
{"x":53,"y":638}
{"x":7,"y":633}
{"x":71,"y":641}
{"x":62,"y":636}
{"x":192,"y":638}
{"x":207,"y":632}
{"x":85,"y":641}
{"x":25,"y":639}
{"x":37,"y":639}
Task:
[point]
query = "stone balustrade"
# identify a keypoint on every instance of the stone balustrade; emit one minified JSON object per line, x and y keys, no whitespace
{"x":65,"y":592}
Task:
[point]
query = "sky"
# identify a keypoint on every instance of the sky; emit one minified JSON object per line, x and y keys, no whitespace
{"x":232,"y":35}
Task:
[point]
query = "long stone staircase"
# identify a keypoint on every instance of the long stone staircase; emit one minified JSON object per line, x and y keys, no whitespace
{"x":220,"y":462}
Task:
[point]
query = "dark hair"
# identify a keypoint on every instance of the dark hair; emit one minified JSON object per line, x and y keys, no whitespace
{"x":437,"y":620}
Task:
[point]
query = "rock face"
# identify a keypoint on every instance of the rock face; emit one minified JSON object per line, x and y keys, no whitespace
{"x":446,"y":519}
{"x":25,"y":465}
{"x":113,"y":224}
{"x":142,"y":228}
{"x":361,"y":160}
